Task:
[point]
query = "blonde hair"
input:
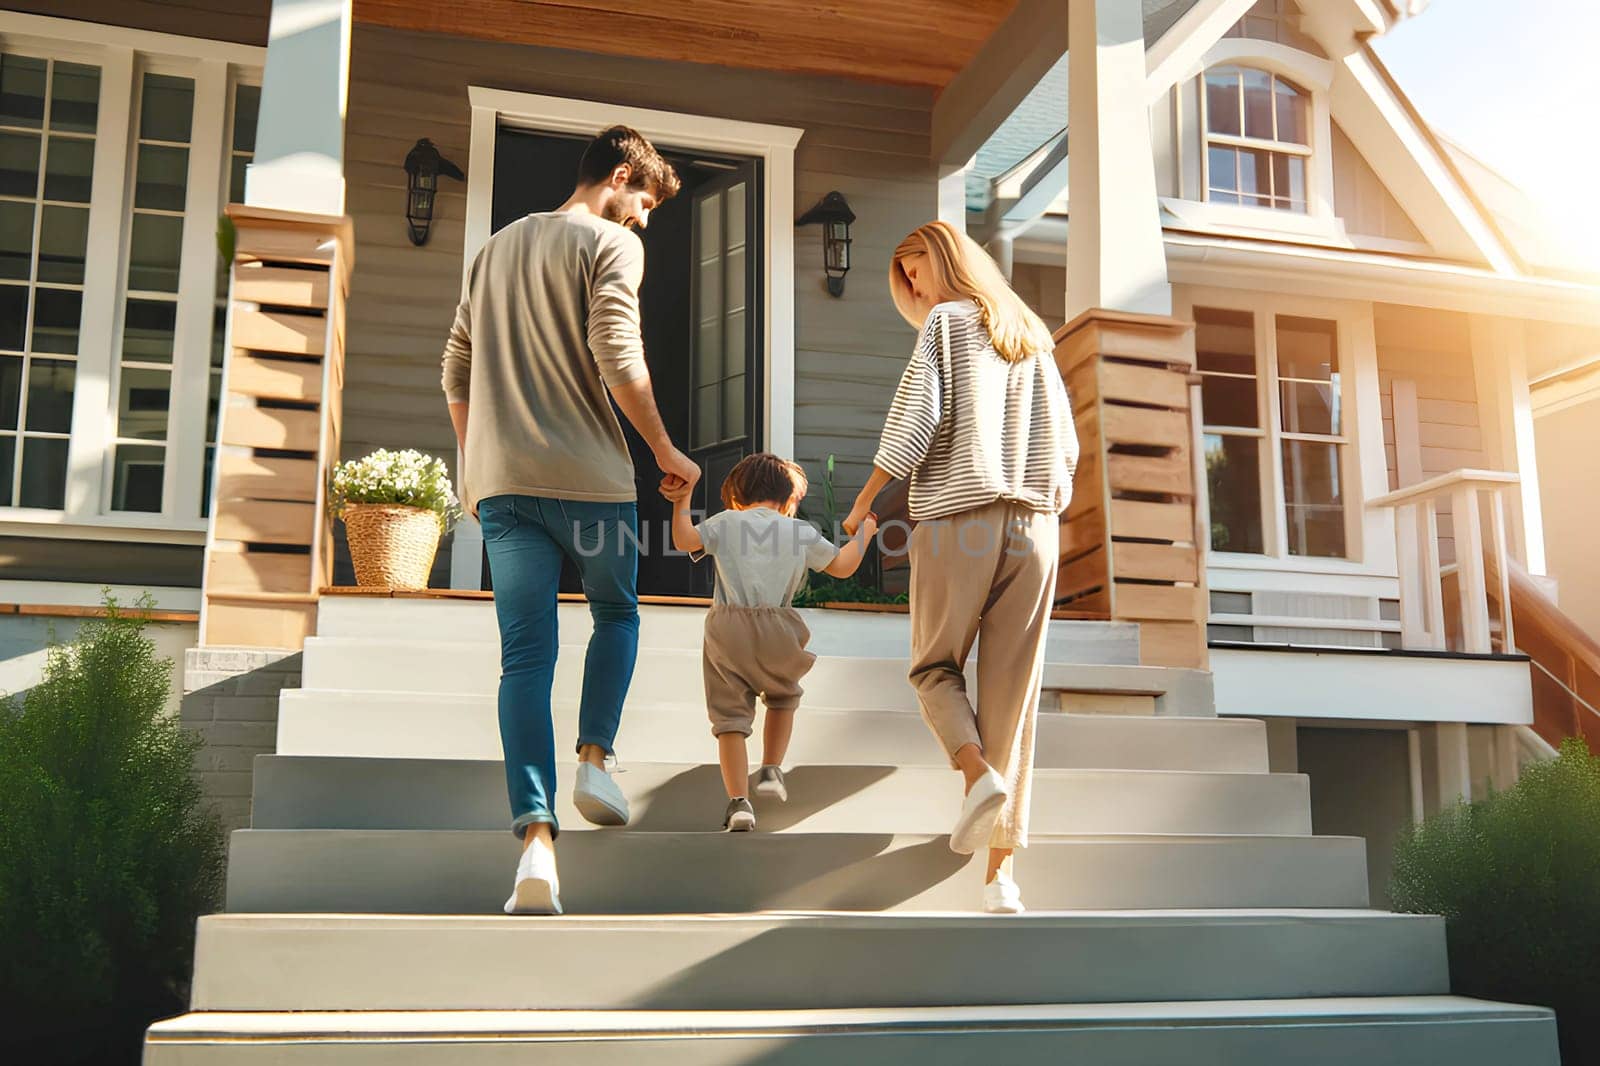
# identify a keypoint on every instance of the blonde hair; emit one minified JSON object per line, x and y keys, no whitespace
{"x":959,"y":269}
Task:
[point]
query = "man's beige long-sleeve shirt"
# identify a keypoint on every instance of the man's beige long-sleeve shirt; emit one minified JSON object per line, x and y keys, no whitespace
{"x":549,"y":323}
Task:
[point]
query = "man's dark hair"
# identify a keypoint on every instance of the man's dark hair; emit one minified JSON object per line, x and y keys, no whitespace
{"x":763,"y":478}
{"x":621,"y":144}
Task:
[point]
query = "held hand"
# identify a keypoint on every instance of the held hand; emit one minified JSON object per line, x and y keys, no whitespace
{"x":869,"y":527}
{"x":677,"y":467}
{"x":675,"y":488}
{"x":853,"y":520}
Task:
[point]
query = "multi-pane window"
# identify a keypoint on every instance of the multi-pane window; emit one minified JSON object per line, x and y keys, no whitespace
{"x":1258,"y":141}
{"x":243,"y":110}
{"x":150,"y":315}
{"x":48,"y":118}
{"x":1271,"y":393}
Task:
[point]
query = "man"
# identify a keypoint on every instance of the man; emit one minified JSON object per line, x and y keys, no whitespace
{"x":545,"y":338}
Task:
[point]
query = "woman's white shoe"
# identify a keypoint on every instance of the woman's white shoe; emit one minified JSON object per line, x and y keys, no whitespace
{"x":978,"y":813}
{"x":1002,"y":896}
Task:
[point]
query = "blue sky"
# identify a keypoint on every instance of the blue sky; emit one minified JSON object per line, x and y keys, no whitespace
{"x":1516,"y":83}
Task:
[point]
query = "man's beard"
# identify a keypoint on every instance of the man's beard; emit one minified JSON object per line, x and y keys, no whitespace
{"x":615,"y":212}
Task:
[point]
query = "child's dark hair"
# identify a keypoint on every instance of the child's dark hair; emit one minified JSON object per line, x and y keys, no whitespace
{"x":763,"y":478}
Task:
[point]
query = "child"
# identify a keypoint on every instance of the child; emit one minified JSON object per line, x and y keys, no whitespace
{"x":755,"y":643}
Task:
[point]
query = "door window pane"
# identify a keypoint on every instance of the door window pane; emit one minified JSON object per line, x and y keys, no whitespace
{"x":16,"y":239}
{"x":22,"y":91}
{"x":19,"y":164}
{"x":166,"y":111}
{"x":50,"y":395}
{"x":56,"y":314}
{"x":136,"y":477}
{"x":733,"y":407}
{"x":63,"y":243}
{"x":1313,"y":498}
{"x":69,"y":174}
{"x":75,"y":98}
{"x":44,"y":472}
{"x":705,"y":414}
{"x":1233,"y":479}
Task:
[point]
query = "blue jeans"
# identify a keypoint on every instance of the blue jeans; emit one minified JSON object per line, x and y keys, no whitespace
{"x":527,"y":537}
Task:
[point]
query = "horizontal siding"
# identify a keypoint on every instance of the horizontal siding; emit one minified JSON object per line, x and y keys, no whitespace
{"x":869,"y":142}
{"x":1433,"y":350}
{"x":241,"y":21}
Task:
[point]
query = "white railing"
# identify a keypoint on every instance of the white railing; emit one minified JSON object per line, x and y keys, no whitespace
{"x":1423,"y":624}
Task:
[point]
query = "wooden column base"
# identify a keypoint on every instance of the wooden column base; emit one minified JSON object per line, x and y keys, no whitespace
{"x":1130,"y":542}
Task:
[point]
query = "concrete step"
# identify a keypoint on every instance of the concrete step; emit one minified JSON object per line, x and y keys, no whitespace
{"x":622,"y":872}
{"x":424,"y":725}
{"x":675,"y":675}
{"x":1374,"y":1031}
{"x":806,"y":961}
{"x":301,"y":792}
{"x":881,"y":635}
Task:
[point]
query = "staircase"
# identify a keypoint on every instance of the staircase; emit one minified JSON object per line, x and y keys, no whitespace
{"x":1182,"y":910}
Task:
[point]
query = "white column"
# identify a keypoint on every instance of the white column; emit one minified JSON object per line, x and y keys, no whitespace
{"x":197,"y":294}
{"x":1003,"y":252}
{"x":1454,"y":761}
{"x":953,"y":195}
{"x":1115,"y":255}
{"x":299,"y":159}
{"x":1505,"y":413}
{"x":94,"y":407}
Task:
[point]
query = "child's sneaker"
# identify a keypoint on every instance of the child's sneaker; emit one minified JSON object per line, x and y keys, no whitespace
{"x":741,"y":817}
{"x":770,"y":784}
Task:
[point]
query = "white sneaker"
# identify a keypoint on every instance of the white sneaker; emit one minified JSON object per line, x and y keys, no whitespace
{"x":537,"y":888}
{"x":598,"y":798}
{"x":978,"y":812}
{"x":770,"y":784}
{"x":1002,"y":896}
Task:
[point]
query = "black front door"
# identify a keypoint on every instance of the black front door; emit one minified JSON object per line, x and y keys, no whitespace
{"x":700,"y":305}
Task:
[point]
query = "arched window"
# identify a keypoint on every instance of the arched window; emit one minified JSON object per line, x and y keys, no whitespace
{"x":1258,"y":139}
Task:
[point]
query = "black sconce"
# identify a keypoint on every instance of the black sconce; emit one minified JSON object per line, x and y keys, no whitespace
{"x":424,"y":164}
{"x":835,"y":216}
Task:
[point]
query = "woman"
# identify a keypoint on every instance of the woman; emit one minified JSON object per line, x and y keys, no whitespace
{"x":982,"y":428}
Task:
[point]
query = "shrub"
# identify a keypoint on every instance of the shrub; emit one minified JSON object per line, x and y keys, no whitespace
{"x":408,"y":478}
{"x":1517,"y":878}
{"x":107,"y":856}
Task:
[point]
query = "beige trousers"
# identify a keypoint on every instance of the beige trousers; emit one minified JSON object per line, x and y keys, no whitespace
{"x":750,"y":652}
{"x":989,"y":572}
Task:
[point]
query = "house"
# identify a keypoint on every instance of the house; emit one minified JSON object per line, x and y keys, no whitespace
{"x":1307,"y":578}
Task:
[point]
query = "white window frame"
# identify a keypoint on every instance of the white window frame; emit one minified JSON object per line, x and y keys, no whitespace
{"x":1369,"y":550}
{"x":124,"y":56}
{"x":1312,"y":74}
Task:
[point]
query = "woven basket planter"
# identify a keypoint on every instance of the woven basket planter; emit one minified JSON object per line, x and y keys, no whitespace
{"x":391,"y":546}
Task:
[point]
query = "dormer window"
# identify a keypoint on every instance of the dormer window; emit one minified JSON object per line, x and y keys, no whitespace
{"x":1258,"y":143}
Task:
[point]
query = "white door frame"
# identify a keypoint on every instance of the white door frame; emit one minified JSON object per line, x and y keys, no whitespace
{"x":773,"y":145}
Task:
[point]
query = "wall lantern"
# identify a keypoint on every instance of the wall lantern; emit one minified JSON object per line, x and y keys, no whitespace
{"x":424,"y":164}
{"x":835,"y":216}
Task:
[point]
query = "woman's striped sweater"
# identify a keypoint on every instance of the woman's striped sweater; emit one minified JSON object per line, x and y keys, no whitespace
{"x":969,"y":428}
